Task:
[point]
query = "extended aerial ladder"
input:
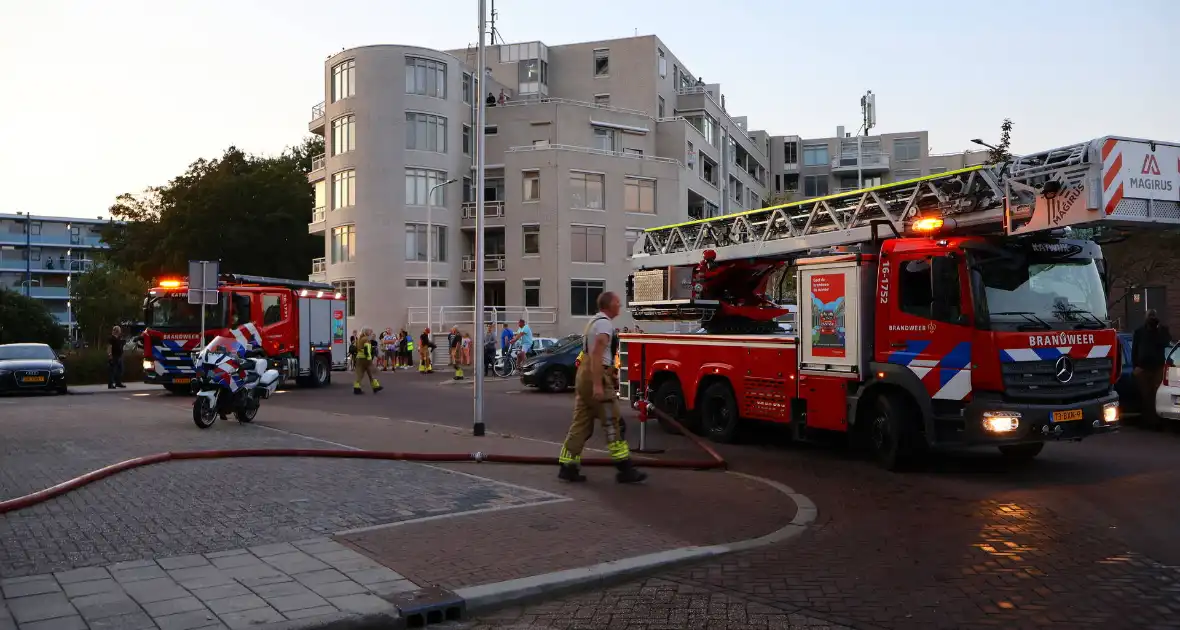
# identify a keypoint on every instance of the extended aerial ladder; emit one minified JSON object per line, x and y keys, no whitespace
{"x":680,"y":276}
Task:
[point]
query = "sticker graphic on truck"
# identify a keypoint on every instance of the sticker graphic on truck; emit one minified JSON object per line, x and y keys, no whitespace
{"x":827,"y":299}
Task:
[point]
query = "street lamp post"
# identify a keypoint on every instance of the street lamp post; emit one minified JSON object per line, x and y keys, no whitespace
{"x":28,"y":253}
{"x":69,"y":289}
{"x":430,"y":250}
{"x":480,"y":159}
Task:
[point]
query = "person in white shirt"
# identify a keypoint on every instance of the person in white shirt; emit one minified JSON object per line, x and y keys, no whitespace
{"x":594,"y":400}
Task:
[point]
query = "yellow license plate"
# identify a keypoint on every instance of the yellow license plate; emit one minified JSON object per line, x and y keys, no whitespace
{"x":1067,"y":416}
{"x":181,"y":381}
{"x":33,"y":379}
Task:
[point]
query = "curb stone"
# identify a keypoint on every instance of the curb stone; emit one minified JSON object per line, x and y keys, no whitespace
{"x":346,"y":621}
{"x":487,"y":597}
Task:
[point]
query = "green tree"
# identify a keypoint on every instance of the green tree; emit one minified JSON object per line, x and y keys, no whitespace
{"x":105,"y":296}
{"x":26,"y":320}
{"x":249,"y":212}
{"x":1002,"y":151}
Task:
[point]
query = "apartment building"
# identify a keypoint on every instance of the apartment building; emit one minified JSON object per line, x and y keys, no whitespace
{"x":39,"y":255}
{"x":587,"y":145}
{"x":815,"y":167}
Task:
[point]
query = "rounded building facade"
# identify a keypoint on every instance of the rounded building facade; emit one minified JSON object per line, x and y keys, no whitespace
{"x":393,"y":127}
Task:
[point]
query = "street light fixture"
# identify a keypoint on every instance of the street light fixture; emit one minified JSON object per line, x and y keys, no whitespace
{"x":430,"y":249}
{"x":983,"y":144}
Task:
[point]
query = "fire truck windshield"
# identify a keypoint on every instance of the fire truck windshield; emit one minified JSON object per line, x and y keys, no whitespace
{"x":1063,"y":293}
{"x":173,"y":311}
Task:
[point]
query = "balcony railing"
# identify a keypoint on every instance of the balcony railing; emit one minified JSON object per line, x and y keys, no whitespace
{"x":870,"y":160}
{"x":318,"y":215}
{"x":319,"y":265}
{"x":491,"y":210}
{"x":317,"y":162}
{"x":317,"y":111}
{"x":569,"y":147}
{"x":55,"y":265}
{"x":492,"y":262}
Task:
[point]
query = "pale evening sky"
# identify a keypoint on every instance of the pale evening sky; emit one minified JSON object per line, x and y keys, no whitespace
{"x":111,"y":97}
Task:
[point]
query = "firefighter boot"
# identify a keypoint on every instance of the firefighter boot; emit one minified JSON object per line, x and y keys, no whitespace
{"x":376,"y":386}
{"x":356,"y":388}
{"x":628,"y":473}
{"x":570,"y":472}
{"x":458,"y":373}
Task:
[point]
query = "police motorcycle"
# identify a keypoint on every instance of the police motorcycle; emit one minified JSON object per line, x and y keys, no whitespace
{"x":232,"y":376}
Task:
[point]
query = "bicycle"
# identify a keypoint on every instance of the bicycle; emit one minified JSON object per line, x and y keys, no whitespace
{"x":507,"y":365}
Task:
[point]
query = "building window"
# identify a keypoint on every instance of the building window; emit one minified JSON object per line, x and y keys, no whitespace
{"x":343,"y":135}
{"x":343,"y":80}
{"x":605,"y":139}
{"x":321,"y":196}
{"x":602,"y":99}
{"x":778,"y":183}
{"x":632,"y":238}
{"x":343,"y":244}
{"x":532,"y":293}
{"x":790,"y":152}
{"x":468,"y":190}
{"x":907,"y":149}
{"x":426,"y":132}
{"x":347,"y":288}
{"x":420,"y":283}
{"x":532,"y":185}
{"x":904,"y":174}
{"x":588,"y":243}
{"x":815,"y":185}
{"x":343,"y":189}
{"x":586,"y":190}
{"x":934,"y":170}
{"x":584,"y":296}
{"x":602,"y":62}
{"x":532,"y":239}
{"x":467,"y":87}
{"x":660,"y":107}
{"x":663,"y":64}
{"x":639,"y":195}
{"x":419,"y":181}
{"x":491,"y":130}
{"x":426,"y":77}
{"x":416,"y":244}
{"x":466,"y":139}
{"x":540,"y":143}
{"x":634,"y":152}
{"x":815,"y":155}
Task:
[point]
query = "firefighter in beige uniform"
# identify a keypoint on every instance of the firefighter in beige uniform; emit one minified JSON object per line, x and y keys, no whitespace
{"x":366,"y":350}
{"x":595,"y":400}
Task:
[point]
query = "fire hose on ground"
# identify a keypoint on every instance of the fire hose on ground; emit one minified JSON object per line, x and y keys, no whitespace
{"x":644,"y":408}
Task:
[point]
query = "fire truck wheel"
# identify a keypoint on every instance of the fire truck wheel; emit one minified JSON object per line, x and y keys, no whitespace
{"x":719,"y":413}
{"x":321,"y":374}
{"x":892,"y":434}
{"x":669,"y":398}
{"x":1022,"y":452}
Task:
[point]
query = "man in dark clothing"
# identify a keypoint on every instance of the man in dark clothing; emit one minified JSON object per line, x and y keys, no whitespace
{"x":489,"y":349}
{"x":1148,"y":346}
{"x":115,"y":359}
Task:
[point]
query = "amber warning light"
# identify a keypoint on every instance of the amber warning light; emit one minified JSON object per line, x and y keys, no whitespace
{"x":928,"y":225}
{"x":170,"y":284}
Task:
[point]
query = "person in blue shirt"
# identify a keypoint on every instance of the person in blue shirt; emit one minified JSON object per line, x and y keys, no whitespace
{"x":505,"y":339}
{"x":524,"y":335}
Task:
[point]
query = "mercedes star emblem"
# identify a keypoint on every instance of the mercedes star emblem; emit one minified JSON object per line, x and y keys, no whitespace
{"x":1063,"y":369}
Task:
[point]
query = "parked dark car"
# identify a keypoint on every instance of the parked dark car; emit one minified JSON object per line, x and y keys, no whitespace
{"x":31,"y":367}
{"x":553,"y":369}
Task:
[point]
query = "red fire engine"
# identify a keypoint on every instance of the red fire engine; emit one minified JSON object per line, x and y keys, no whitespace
{"x":973,"y":306}
{"x":302,"y":324}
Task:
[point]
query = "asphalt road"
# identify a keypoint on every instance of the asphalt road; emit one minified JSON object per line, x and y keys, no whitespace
{"x":1083,"y":537}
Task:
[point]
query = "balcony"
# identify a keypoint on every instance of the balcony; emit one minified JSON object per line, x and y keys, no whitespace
{"x":316,"y":125}
{"x":317,"y":163}
{"x":50,"y":293}
{"x":318,"y":216}
{"x":319,"y":270}
{"x":492,"y":211}
{"x":491,"y":262}
{"x":49,"y":264}
{"x":59,"y":240}
{"x":870,"y":162}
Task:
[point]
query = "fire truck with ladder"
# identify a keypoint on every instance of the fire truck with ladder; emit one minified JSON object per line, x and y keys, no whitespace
{"x":302,"y":325}
{"x":960,"y":309}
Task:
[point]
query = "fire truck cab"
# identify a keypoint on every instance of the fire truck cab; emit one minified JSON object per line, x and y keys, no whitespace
{"x":302,"y":325}
{"x":962,"y":309}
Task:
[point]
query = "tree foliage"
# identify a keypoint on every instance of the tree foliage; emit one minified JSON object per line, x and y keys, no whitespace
{"x":1002,"y":151}
{"x":27,"y":320}
{"x":106,"y":296}
{"x":250,"y":212}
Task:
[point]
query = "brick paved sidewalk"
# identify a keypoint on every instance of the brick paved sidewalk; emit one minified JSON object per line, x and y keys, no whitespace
{"x":595,"y":522}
